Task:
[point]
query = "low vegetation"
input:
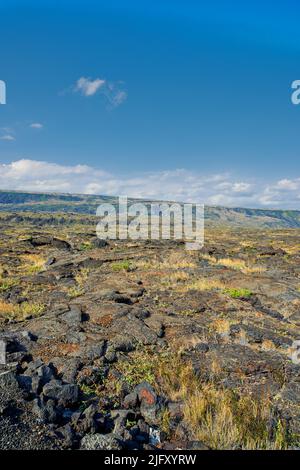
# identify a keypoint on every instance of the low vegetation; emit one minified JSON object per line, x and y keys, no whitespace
{"x":122,"y":266}
{"x":238,"y":293}
{"x":32,"y":263}
{"x":236,"y":264}
{"x":20,"y":312}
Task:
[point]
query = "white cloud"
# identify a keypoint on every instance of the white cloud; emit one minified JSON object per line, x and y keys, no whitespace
{"x":36,"y":125}
{"x":7,"y":137}
{"x":288,"y":185}
{"x":178,"y":185}
{"x":115,"y":96}
{"x":87,"y":86}
{"x":112,"y":91}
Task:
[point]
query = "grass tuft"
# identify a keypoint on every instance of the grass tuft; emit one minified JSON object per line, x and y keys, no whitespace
{"x":238,"y":293}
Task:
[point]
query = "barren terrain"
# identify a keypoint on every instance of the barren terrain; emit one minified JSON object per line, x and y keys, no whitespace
{"x":144,"y":345}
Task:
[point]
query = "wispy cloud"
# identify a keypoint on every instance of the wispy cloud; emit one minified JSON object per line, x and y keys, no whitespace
{"x":7,"y":137}
{"x":178,"y":185}
{"x":87,"y":86}
{"x":36,"y":125}
{"x":112,"y":91}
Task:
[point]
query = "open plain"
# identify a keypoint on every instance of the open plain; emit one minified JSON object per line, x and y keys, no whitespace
{"x":144,"y":345}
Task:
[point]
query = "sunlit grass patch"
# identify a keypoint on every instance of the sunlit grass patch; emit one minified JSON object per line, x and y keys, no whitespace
{"x":20,"y":312}
{"x":223,"y":420}
{"x":125,"y":265}
{"x":238,"y":293}
{"x":140,"y":366}
{"x":218,"y":417}
{"x":176,"y":260}
{"x":7,"y":283}
{"x":75,"y":291}
{"x":236,"y":264}
{"x":6,"y":308}
{"x":86,"y":245}
{"x":32,"y":263}
{"x":82,"y":276}
{"x":173,"y":279}
{"x":222,"y":326}
{"x":205,"y":284}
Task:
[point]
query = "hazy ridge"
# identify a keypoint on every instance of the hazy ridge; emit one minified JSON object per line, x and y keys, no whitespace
{"x":19,"y":201}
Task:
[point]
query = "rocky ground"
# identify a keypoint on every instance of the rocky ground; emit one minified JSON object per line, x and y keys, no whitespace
{"x":143,"y":345}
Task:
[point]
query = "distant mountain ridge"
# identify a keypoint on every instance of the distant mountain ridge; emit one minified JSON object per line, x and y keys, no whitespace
{"x":23,"y":201}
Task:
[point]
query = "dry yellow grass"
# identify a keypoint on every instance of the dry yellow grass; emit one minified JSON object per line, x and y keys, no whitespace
{"x":173,"y":279}
{"x":6,"y":283}
{"x":6,"y":308}
{"x":218,"y":417}
{"x":32,"y":263}
{"x":176,"y":260}
{"x":82,"y":276}
{"x":221,"y":326}
{"x":205,"y":284}
{"x":268,"y":345}
{"x":222,"y":420}
{"x":240,"y":265}
{"x":20,"y":312}
{"x":177,"y":377}
{"x":236,"y":264}
{"x":247,"y":244}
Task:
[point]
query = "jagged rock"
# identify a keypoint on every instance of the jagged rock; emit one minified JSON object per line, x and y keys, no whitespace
{"x":201,"y":347}
{"x":67,"y":368}
{"x":17,"y":342}
{"x":50,"y":261}
{"x":25,"y":382}
{"x":99,"y":243}
{"x":123,"y":344}
{"x":89,"y":420}
{"x":52,"y":389}
{"x":36,"y":376}
{"x":65,"y":394}
{"x":42,"y":240}
{"x":130,"y":401}
{"x":75,"y":337}
{"x":95,"y":351}
{"x":141,"y":314}
{"x":120,"y":418}
{"x":135,"y":330}
{"x":110,"y":355}
{"x":73,"y":317}
{"x":148,"y":401}
{"x":136,"y":293}
{"x":33,"y":366}
{"x":66,"y":436}
{"x":100,"y":442}
{"x":8,"y":379}
{"x":45,"y":412}
{"x":28,"y":336}
{"x":68,"y":395}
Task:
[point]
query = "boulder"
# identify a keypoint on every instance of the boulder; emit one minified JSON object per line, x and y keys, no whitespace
{"x":8,"y":379}
{"x":148,"y":401}
{"x":95,"y":351}
{"x":99,"y":243}
{"x":45,"y":412}
{"x":100,"y":442}
{"x":73,"y":317}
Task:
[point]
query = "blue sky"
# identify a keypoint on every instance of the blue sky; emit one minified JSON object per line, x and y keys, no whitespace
{"x":174,"y":99}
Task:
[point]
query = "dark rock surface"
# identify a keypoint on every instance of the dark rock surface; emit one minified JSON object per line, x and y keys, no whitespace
{"x":96,"y":334}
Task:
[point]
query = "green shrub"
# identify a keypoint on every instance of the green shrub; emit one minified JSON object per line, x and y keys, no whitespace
{"x":122,"y":266}
{"x":238,"y":293}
